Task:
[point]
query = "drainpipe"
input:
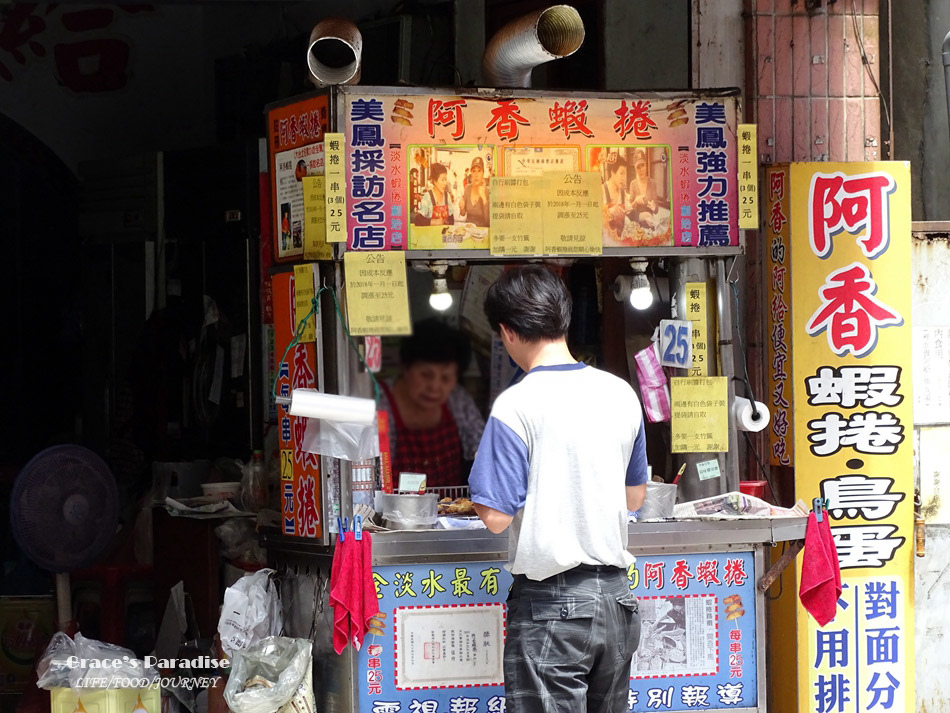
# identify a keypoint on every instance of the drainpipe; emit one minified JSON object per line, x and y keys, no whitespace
{"x":534,"y":39}
{"x":946,"y":71}
{"x":334,"y":53}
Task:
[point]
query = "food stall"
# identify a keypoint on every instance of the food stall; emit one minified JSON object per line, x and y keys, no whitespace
{"x":626,"y":195}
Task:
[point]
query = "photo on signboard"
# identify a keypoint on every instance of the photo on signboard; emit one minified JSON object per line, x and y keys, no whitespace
{"x":636,"y":194}
{"x":679,"y":636}
{"x":449,"y":196}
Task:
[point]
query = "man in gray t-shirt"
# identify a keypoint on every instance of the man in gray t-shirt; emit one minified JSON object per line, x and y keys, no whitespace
{"x":561,"y":461}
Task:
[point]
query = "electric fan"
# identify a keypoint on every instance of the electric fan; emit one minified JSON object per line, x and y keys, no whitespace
{"x":64,"y":510}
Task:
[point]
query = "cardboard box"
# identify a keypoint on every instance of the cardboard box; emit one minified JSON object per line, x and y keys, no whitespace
{"x":26,"y":625}
{"x":115,"y":700}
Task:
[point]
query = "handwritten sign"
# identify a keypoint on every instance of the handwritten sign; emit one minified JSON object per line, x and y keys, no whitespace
{"x":377,"y":296}
{"x":700,"y":419}
{"x":572,"y":216}
{"x":335,"y":187}
{"x":303,"y":301}
{"x":516,"y":215}
{"x":675,"y":344}
{"x":748,"y":178}
{"x":315,"y":245}
{"x":696,"y":313}
{"x":708,"y":469}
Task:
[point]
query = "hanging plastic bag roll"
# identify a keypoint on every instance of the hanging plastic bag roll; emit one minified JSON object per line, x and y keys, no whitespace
{"x":742,"y":412}
{"x":311,"y":403}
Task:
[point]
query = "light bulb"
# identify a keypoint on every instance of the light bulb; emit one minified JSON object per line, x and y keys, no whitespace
{"x":641,"y":296}
{"x":440,"y":299}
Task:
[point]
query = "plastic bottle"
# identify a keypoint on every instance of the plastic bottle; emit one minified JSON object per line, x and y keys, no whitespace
{"x":253,"y":484}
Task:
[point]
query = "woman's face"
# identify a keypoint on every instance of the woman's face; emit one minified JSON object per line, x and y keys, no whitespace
{"x":478,"y":175}
{"x":620,"y":175}
{"x":428,"y":384}
{"x":641,"y":169}
{"x":442,"y":181}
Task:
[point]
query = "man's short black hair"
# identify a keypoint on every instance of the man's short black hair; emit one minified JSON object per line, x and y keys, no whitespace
{"x":436,"y":342}
{"x":531,"y":301}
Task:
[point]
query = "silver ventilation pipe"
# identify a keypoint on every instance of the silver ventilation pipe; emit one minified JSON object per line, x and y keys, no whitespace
{"x":335,"y":52}
{"x":534,"y":39}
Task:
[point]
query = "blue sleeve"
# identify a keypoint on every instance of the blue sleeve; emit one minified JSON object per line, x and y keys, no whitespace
{"x":499,"y":477}
{"x":637,"y":467}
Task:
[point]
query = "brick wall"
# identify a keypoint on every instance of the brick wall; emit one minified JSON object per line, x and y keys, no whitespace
{"x":811,"y":94}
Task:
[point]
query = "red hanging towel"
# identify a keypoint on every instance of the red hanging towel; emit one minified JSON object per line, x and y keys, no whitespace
{"x":367,"y":590}
{"x":352,"y":592}
{"x":821,"y":578}
{"x":832,"y":548}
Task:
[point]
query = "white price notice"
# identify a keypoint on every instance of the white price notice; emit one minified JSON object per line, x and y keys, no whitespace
{"x":676,"y":344}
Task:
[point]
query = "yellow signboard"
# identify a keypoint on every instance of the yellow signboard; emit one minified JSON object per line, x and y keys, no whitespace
{"x":700,"y":414}
{"x":778,"y":315}
{"x":516,"y":215}
{"x":748,"y":178}
{"x":303,"y":301}
{"x":850,"y":273}
{"x":335,"y":187}
{"x":315,"y":246}
{"x":572,"y":214}
{"x":696,"y":313}
{"x":377,"y":297}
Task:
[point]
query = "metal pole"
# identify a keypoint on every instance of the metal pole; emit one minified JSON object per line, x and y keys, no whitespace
{"x":727,"y":360}
{"x":946,"y":72}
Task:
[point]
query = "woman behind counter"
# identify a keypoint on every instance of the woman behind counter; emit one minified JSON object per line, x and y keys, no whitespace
{"x":436,"y":425}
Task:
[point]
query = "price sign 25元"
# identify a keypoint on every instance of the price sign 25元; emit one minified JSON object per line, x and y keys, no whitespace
{"x":676,"y":346}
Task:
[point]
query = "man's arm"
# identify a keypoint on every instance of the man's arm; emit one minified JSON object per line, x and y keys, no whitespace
{"x":495,"y":520}
{"x":635,"y":496}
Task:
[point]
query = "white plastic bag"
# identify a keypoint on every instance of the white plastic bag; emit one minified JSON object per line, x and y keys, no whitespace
{"x":273,"y":675}
{"x":251,"y":612}
{"x":337,"y":439}
{"x":87,"y":663}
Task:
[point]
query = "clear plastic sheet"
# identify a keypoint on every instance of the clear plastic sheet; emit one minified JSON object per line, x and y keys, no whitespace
{"x":79,"y":663}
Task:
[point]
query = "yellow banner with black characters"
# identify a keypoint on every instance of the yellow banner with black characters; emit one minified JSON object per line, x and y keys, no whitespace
{"x":850,"y":267}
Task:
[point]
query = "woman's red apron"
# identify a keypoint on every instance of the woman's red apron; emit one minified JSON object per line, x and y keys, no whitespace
{"x":435,"y":451}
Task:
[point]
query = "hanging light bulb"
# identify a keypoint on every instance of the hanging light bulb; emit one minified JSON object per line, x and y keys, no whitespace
{"x":440,"y":299}
{"x":641,"y":295}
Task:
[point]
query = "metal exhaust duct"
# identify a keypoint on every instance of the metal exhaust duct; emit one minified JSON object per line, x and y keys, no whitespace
{"x":335,"y":52}
{"x":534,"y":39}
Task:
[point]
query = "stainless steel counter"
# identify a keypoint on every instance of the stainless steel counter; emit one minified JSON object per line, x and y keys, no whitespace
{"x":421,"y":546}
{"x":339,"y":680}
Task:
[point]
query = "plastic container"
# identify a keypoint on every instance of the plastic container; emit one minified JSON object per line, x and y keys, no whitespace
{"x":659,"y":501}
{"x":409,"y":511}
{"x":117,"y":700}
{"x":755,"y":488}
{"x":223,"y":491}
{"x":254,"y":484}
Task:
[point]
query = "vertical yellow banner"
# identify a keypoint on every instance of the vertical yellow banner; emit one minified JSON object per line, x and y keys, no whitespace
{"x":696,"y":313}
{"x":315,"y":246}
{"x":335,"y":187}
{"x":851,"y":372}
{"x":748,"y":178}
{"x":303,"y":301}
{"x":778,"y":315}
